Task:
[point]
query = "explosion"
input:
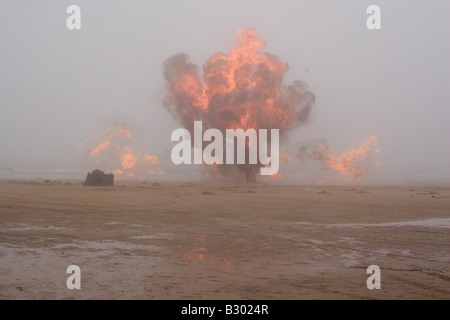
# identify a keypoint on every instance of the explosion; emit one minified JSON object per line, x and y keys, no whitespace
{"x":112,"y":135}
{"x":128,"y":160}
{"x":120,"y":158}
{"x":151,"y":159}
{"x":242,"y":89}
{"x":353,"y":163}
{"x":102,"y":146}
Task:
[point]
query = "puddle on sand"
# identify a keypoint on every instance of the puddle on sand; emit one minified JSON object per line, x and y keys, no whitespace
{"x":29,"y":227}
{"x":157,"y":236}
{"x":431,"y":223}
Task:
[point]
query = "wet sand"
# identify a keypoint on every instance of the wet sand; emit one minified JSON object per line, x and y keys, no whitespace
{"x":149,"y":240}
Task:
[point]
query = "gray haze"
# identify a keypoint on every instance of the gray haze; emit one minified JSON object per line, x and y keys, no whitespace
{"x":60,"y":87}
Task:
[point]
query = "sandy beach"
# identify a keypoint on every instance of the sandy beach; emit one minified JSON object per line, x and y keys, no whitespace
{"x":168,"y":240}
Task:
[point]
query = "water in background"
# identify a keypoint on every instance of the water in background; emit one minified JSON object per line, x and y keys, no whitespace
{"x":304,"y":177}
{"x":41,"y":174}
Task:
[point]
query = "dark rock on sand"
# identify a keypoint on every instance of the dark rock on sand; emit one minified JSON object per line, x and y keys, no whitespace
{"x":99,"y":178}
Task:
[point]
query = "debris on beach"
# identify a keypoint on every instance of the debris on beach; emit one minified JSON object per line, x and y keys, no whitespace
{"x":99,"y":178}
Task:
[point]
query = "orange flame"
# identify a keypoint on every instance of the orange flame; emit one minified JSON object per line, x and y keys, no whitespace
{"x":102,"y":146}
{"x":284,"y":158}
{"x":277,"y":175}
{"x":151,"y":159}
{"x":119,"y":131}
{"x":128,"y":160}
{"x":353,"y":163}
{"x":123,"y":158}
{"x":242,"y":89}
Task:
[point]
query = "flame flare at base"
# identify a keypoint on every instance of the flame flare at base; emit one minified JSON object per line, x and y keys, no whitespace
{"x":113,"y":153}
{"x":353,"y":163}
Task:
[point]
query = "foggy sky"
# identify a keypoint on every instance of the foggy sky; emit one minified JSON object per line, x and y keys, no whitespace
{"x":59,"y":87}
